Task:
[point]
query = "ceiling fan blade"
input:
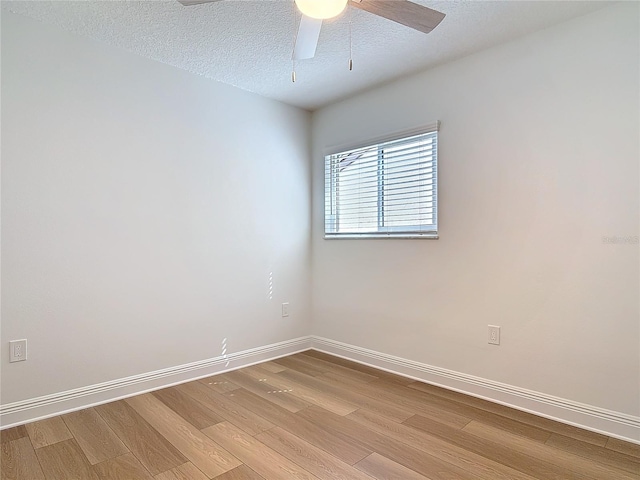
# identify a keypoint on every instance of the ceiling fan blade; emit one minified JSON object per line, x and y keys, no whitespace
{"x":407,"y":13}
{"x":188,"y":3}
{"x":307,"y":38}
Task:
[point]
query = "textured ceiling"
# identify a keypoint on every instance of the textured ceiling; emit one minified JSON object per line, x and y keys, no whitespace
{"x":248,"y":43}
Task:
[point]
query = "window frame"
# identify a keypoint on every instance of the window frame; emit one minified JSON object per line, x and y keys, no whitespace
{"x":397,"y":232}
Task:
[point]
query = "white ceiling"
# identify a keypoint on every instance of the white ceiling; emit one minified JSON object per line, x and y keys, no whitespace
{"x":248,"y":43}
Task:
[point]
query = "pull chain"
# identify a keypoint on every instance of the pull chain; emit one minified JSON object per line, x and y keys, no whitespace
{"x":293,"y":58}
{"x":350,"y":43}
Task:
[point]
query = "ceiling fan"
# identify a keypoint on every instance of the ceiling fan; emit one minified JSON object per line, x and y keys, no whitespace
{"x":407,"y":13}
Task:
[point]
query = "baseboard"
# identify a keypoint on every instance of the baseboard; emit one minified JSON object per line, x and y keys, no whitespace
{"x":607,"y":422}
{"x":39,"y":408}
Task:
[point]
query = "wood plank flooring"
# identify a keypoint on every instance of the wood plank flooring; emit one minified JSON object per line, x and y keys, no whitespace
{"x":309,"y":416}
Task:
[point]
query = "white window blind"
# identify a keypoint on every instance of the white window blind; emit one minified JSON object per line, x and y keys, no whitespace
{"x":386,"y":189}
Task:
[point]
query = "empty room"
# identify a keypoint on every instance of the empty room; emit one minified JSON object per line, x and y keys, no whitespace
{"x":320,"y":239}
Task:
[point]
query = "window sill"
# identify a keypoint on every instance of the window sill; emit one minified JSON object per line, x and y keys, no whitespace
{"x":379,"y":236}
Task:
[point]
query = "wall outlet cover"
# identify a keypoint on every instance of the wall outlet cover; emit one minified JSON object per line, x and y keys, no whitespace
{"x":17,"y":350}
{"x":494,"y":335}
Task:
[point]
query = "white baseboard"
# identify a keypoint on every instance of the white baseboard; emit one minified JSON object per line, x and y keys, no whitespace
{"x":39,"y":408}
{"x":600,"y":420}
{"x":607,"y":422}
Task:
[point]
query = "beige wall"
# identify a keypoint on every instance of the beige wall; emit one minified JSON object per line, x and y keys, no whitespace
{"x":143,"y":209}
{"x":539,"y":153}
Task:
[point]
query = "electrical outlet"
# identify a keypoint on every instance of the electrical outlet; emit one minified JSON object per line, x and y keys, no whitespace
{"x":494,"y":335}
{"x":285,"y":309}
{"x":17,"y":350}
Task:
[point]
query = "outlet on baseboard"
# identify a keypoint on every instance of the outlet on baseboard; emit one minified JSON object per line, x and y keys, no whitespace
{"x":285,"y":309}
{"x":18,"y":350}
{"x":494,"y":335}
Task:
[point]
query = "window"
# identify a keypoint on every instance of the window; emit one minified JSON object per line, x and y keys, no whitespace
{"x":384,"y":189}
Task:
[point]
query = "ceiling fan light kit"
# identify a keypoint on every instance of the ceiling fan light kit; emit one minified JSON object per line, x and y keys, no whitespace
{"x":321,"y":9}
{"x":404,"y":12}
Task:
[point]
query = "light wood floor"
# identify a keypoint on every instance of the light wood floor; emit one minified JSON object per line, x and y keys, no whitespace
{"x":309,"y":416}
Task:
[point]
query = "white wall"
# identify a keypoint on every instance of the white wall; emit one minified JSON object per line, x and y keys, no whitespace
{"x":140,"y":225}
{"x":539,"y":153}
{"x":143,"y":209}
